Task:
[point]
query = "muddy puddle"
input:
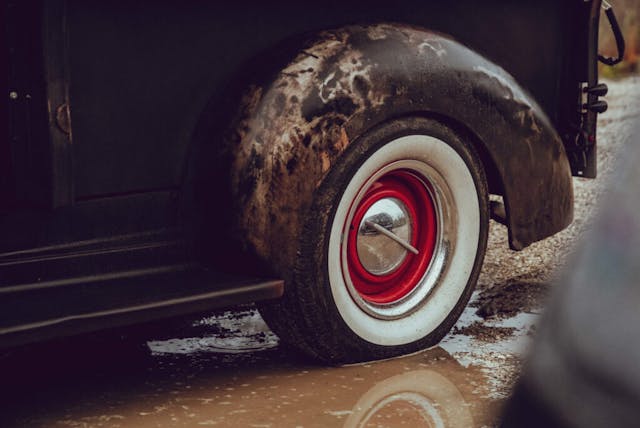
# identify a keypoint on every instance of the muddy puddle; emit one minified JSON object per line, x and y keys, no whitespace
{"x":234,"y":373}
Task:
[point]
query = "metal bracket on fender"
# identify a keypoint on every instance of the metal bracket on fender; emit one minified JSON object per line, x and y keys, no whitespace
{"x":292,"y":129}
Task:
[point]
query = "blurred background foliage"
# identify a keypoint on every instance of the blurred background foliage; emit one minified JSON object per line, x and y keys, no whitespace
{"x":628,"y":14}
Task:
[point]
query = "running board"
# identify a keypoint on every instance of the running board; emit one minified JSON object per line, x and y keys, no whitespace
{"x":89,"y":304}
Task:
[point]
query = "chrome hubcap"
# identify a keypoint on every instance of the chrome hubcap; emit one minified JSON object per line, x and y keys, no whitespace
{"x":383,"y":253}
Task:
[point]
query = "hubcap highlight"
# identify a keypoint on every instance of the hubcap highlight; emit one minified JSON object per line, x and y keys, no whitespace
{"x":378,"y":253}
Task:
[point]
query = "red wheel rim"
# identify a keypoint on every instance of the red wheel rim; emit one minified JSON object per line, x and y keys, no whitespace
{"x":413,"y":193}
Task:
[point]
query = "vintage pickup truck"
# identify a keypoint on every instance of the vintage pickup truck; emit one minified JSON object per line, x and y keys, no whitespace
{"x":332,"y":161}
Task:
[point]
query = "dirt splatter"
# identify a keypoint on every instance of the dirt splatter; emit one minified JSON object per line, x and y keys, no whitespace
{"x":519,"y":294}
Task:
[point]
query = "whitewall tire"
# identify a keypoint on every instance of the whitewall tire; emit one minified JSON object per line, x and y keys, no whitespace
{"x":392,"y":247}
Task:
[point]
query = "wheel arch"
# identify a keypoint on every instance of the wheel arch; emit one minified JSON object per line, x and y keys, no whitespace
{"x":290,"y":129}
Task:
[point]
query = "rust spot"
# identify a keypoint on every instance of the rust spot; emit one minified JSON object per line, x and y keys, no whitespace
{"x":314,"y":107}
{"x":361,"y":86}
{"x":281,"y":102}
{"x":326,"y":163}
{"x":291,"y":165}
{"x":343,"y":141}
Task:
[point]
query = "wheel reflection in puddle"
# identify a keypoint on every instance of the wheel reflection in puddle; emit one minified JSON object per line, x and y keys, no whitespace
{"x":419,"y":398}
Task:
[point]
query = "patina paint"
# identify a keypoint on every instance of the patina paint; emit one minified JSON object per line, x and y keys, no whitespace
{"x":292,"y":130}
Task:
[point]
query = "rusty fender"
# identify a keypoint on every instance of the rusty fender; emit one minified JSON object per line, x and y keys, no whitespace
{"x":291,"y":131}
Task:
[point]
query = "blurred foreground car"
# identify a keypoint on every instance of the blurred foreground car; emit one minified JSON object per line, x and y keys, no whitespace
{"x":583,"y":370}
{"x":165,"y":157}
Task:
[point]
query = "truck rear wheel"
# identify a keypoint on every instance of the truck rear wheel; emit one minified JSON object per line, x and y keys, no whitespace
{"x":391,"y":248}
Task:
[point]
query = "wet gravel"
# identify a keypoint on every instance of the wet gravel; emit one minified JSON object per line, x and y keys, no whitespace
{"x":513,"y":286}
{"x":538,"y":262}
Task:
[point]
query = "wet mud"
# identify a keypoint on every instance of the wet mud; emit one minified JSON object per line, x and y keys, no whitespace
{"x":522,"y":293}
{"x":485,"y":332}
